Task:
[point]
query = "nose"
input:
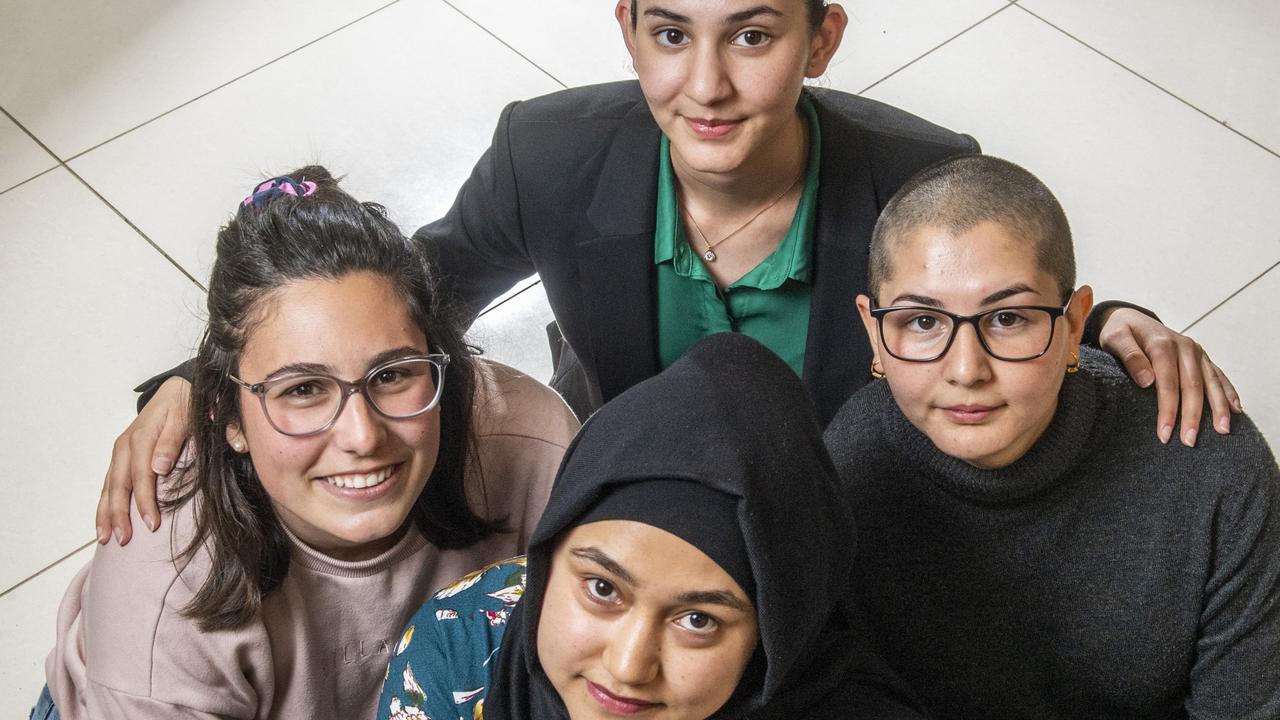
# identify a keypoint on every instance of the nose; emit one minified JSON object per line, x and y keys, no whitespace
{"x":707,"y":81}
{"x":359,"y":428}
{"x":634,"y":650}
{"x":967,"y":363}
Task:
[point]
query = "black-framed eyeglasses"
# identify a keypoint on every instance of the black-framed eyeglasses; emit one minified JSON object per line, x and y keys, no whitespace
{"x":923,"y":334}
{"x":306,"y":404}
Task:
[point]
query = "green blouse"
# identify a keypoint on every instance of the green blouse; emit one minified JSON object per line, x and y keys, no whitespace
{"x":770,"y":303}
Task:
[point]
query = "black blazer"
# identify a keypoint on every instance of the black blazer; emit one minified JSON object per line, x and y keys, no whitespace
{"x":569,"y":190}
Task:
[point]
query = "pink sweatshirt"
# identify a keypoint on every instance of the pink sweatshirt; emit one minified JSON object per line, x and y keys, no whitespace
{"x":319,"y":647}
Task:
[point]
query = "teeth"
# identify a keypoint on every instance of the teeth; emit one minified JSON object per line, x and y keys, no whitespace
{"x":361,"y":481}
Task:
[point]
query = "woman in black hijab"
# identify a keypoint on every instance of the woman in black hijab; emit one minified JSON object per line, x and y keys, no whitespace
{"x":691,"y":563}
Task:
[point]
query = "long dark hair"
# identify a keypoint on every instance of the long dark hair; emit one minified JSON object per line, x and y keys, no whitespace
{"x":323,"y":235}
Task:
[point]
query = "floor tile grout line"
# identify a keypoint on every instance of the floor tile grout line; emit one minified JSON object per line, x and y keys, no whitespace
{"x":524,"y":290}
{"x":35,"y":140}
{"x":235,"y":79}
{"x":45,"y":569}
{"x":40,"y":174}
{"x":62,"y":164}
{"x":931,"y":50}
{"x":1151,"y":82}
{"x":506,"y":44}
{"x":136,"y":229}
{"x":1230,"y":297}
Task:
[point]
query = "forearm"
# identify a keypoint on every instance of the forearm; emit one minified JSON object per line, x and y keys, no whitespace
{"x":1102,"y":312}
{"x":148,"y":388}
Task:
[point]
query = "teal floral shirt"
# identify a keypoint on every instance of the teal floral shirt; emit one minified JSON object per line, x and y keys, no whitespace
{"x":440,"y":667}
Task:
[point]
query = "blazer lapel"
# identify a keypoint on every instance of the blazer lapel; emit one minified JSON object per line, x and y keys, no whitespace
{"x":618,"y":261}
{"x":837,"y":355}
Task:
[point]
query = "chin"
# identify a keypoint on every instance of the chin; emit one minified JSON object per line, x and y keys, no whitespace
{"x":976,"y":448}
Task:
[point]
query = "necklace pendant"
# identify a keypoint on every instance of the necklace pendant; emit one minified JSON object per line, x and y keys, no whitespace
{"x":709,"y":256}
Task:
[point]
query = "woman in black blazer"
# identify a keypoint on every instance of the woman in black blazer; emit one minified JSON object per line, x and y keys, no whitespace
{"x":570,"y":189}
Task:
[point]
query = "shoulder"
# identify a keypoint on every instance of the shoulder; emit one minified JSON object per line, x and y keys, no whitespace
{"x":522,"y":429}
{"x":500,"y":583}
{"x":554,"y":138}
{"x":461,"y":612}
{"x":855,"y":433}
{"x":132,"y":591}
{"x":1236,"y":467}
{"x":511,"y":404}
{"x":442,"y":658}
{"x":885,"y":126}
{"x":134,"y":640}
{"x":609,"y":101}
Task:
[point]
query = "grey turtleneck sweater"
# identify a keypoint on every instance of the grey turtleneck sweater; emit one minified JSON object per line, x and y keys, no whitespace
{"x":1101,"y":575}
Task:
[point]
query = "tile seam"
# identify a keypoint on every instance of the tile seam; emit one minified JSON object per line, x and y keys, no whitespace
{"x":933,"y":49}
{"x":531,"y":285}
{"x":235,"y":79}
{"x":36,"y":140}
{"x":1217,"y":121}
{"x":506,"y":44}
{"x":45,"y":569}
{"x":1231,"y":297}
{"x":62,"y":164}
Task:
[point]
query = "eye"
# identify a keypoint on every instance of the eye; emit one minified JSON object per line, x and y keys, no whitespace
{"x":923,"y":322}
{"x":671,"y":37}
{"x":388,"y":376}
{"x":601,"y":590}
{"x":302,"y":390}
{"x":751,"y":38}
{"x":698,"y":623}
{"x":1007,"y":319}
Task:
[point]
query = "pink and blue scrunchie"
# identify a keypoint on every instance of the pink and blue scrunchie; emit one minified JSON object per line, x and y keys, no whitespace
{"x":275,"y":187}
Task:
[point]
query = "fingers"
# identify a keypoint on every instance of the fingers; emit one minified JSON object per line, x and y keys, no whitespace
{"x":1222,"y":396}
{"x":164,"y":459}
{"x":1136,"y":363}
{"x":1236,"y":403}
{"x":1162,"y":352}
{"x":102,"y":520}
{"x":113,"y":506}
{"x":1192,"y":385}
{"x":150,"y":446}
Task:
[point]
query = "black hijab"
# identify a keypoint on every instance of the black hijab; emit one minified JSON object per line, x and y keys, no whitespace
{"x":730,"y":416}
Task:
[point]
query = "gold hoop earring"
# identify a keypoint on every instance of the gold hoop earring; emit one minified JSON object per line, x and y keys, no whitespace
{"x":876,"y":372}
{"x":1073,"y":367}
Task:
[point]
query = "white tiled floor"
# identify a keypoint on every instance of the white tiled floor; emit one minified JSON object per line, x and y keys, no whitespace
{"x":1159,"y":135}
{"x":20,"y":157}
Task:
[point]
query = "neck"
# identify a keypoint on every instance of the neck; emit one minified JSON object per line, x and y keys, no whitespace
{"x":753,"y":184}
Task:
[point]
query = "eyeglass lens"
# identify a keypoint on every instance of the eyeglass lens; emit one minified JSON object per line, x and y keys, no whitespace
{"x":1009,"y":333}
{"x":305,"y":404}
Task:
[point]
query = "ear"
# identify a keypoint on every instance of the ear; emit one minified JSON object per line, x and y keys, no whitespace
{"x":622,"y":13}
{"x":236,"y":439}
{"x":826,"y":40}
{"x":873,"y":331}
{"x":1078,"y":313}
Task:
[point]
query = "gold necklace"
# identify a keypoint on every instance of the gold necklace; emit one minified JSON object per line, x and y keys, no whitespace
{"x":710,"y":255}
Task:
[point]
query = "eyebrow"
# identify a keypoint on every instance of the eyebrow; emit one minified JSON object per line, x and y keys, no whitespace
{"x":307,"y":368}
{"x":713,"y":597}
{"x":994,"y":297}
{"x":735,"y":18}
{"x":598,"y":557}
{"x":692,"y":597}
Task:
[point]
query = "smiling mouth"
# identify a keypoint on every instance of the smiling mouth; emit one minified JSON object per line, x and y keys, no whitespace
{"x":618,"y":704}
{"x":362,"y":480}
{"x":711,"y":128}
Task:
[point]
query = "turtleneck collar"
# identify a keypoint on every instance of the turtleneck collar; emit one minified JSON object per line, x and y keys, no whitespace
{"x":306,"y":556}
{"x":1049,"y":459}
